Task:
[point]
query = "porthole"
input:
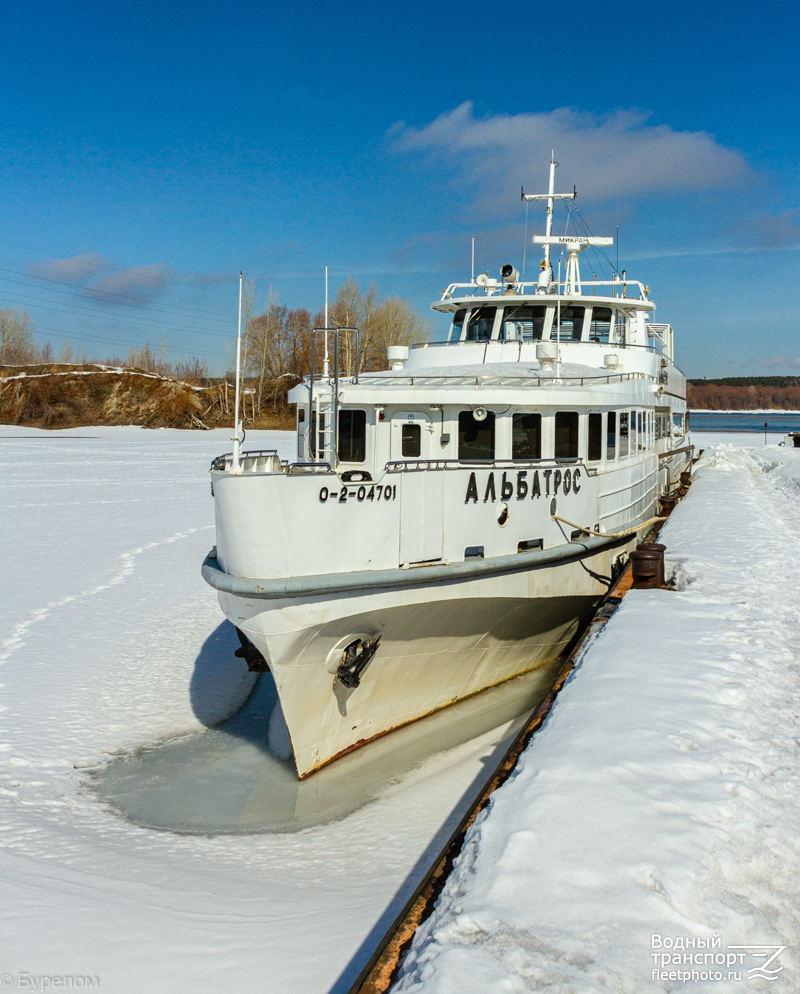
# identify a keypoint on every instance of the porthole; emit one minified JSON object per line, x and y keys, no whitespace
{"x":502,"y":514}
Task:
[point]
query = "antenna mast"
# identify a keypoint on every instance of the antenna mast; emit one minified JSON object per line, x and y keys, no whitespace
{"x":237,"y":424}
{"x":551,"y":196}
{"x":325,"y":369}
{"x":550,"y":201}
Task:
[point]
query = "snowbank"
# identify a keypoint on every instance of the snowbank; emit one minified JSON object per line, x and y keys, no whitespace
{"x":662,"y":797}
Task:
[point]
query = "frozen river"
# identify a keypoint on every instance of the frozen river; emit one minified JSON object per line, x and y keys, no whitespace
{"x":150,"y":838}
{"x":119,"y":717}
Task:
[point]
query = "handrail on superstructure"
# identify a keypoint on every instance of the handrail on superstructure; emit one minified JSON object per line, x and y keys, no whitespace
{"x":449,"y":379}
{"x":556,"y":288}
{"x":533,"y":341}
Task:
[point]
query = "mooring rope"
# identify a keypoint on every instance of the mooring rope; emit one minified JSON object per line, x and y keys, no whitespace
{"x":591,"y":531}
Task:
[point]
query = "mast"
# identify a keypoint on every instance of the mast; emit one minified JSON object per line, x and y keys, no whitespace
{"x":551,"y":196}
{"x":325,"y":364}
{"x":550,"y":202}
{"x":237,"y":424}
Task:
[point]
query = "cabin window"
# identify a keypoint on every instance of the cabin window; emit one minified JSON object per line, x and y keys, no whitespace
{"x":640,"y":430}
{"x":632,"y":447}
{"x":526,"y":436}
{"x":571,"y":323}
{"x":352,"y":445}
{"x":410,"y":441}
{"x":611,"y":436}
{"x":458,"y":324}
{"x":480,"y":324}
{"x":623,"y":434}
{"x":475,"y":438}
{"x":523,"y":324}
{"x":566,"y":435}
{"x":595,"y":437}
{"x":301,"y":415}
{"x":600,"y":327}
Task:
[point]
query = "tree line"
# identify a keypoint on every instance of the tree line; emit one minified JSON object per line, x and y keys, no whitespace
{"x":276,"y":343}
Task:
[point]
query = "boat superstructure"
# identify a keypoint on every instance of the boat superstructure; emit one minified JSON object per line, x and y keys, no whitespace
{"x":450,"y":521}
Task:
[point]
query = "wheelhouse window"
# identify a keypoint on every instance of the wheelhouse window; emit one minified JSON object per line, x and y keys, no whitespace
{"x":677,"y":421}
{"x":571,"y":323}
{"x":475,"y":438}
{"x":523,"y":324}
{"x":632,"y":447}
{"x":566,"y":435}
{"x":410,"y":441}
{"x":600,"y":325}
{"x":640,"y":429}
{"x":621,"y":328}
{"x":458,"y":324}
{"x":623,"y":434}
{"x":611,"y":436}
{"x":526,"y":436}
{"x":352,"y":445}
{"x":480,"y":324}
{"x":595,"y":437}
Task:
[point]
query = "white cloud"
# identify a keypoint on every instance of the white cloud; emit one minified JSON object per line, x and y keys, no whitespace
{"x":103,"y":280}
{"x":780,"y":360}
{"x":77,"y":269}
{"x":616,"y":154}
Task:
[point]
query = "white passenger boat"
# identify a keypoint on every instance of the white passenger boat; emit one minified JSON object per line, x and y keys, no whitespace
{"x":449,"y":522}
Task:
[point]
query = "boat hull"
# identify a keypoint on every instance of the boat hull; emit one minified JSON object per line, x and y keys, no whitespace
{"x":439,"y":643}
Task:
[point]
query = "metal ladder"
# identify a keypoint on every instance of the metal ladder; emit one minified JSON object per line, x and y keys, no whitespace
{"x":323,"y":409}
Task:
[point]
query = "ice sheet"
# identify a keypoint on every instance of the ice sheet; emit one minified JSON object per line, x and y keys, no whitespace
{"x":110,"y":642}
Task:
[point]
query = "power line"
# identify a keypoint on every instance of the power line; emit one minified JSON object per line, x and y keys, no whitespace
{"x":90,"y":292}
{"x":115,"y":269}
{"x":130,"y":321}
{"x":115,"y":341}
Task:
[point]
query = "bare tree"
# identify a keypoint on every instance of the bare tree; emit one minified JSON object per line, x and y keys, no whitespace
{"x":268,"y":340}
{"x":17,"y":345}
{"x":391,"y":321}
{"x":248,"y":306}
{"x":354,"y":308}
{"x":145,"y":358}
{"x":396,"y":322}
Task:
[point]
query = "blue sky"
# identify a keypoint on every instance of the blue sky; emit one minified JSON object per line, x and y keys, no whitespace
{"x":149,"y":153}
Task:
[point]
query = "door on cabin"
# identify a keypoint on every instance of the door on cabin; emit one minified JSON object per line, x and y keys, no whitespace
{"x":412,"y":436}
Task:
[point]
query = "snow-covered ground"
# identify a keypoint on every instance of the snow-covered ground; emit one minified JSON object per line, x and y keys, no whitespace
{"x":650,"y":838}
{"x":110,"y":640}
{"x":660,"y":798}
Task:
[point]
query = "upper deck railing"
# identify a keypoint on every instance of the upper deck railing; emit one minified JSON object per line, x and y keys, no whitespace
{"x":486,"y":380}
{"x":496,"y":288}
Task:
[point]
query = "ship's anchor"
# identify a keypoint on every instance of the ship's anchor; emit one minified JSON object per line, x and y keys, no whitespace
{"x":354,"y":660}
{"x":250,"y":654}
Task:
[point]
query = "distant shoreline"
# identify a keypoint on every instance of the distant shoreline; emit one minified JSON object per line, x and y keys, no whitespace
{"x":775,"y":410}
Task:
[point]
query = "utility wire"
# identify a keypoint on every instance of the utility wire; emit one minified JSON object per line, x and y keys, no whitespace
{"x":116,"y":269}
{"x":58,"y":333}
{"x":131,"y":321}
{"x":90,"y":293}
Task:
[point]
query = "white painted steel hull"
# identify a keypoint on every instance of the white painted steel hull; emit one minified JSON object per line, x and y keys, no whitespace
{"x":440,"y":643}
